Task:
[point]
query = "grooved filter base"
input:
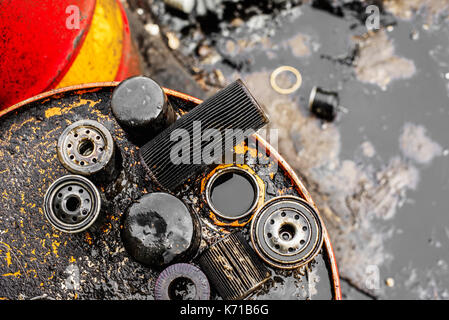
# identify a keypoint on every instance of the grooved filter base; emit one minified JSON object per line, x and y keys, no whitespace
{"x":233,"y":267}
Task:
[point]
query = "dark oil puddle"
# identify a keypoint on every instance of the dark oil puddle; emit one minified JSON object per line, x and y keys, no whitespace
{"x":232,"y":194}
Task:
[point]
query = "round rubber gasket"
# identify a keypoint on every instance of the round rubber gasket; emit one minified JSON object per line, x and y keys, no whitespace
{"x":188,"y":274}
{"x":287,"y":232}
{"x":72,"y":204}
{"x":280,"y":70}
{"x":85,"y":147}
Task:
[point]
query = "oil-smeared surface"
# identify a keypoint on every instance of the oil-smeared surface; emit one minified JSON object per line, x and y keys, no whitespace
{"x":380,"y":173}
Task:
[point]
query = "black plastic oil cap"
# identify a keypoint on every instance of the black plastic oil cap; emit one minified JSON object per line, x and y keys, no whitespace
{"x":141,"y":107}
{"x":324,"y":104}
{"x":159,"y":229}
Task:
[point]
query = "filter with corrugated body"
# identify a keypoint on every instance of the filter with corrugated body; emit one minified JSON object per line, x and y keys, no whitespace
{"x":233,"y":268}
{"x":231,"y":108}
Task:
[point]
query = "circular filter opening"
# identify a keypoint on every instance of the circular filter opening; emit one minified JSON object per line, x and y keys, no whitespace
{"x":232,"y":193}
{"x":182,"y":288}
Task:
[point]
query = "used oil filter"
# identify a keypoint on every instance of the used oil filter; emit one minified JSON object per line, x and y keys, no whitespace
{"x":233,"y":268}
{"x":86,"y":147}
{"x":287,"y":232}
{"x":182,"y":281}
{"x":159,"y":229}
{"x":230,"y":109}
{"x":141,"y":107}
{"x":72,"y":204}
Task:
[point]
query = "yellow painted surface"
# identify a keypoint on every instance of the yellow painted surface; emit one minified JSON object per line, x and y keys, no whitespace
{"x":52,"y":112}
{"x":57,"y":111}
{"x":8,"y":258}
{"x":15,"y":274}
{"x":100,"y":55}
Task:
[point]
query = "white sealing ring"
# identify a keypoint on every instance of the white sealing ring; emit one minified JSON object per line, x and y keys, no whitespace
{"x":294,"y":87}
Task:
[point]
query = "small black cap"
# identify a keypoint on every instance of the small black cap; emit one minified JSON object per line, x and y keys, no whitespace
{"x":324,"y":104}
{"x":141,"y":107}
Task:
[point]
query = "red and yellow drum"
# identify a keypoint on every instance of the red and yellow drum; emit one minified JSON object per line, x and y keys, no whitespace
{"x":50,"y":44}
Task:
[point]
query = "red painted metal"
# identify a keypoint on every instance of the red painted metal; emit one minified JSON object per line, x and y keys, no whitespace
{"x":36,"y":47}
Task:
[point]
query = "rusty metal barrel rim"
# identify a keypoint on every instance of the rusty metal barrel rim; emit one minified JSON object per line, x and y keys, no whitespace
{"x":72,"y":204}
{"x":287,"y":232}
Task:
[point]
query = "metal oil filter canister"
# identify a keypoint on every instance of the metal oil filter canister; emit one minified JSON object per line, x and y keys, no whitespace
{"x":87,"y":148}
{"x":287,"y":232}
